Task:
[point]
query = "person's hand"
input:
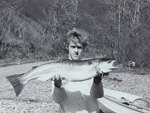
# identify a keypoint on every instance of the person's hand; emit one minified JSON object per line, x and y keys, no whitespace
{"x":98,"y":78}
{"x":57,"y":81}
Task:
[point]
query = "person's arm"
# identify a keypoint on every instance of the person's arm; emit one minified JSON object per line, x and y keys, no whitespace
{"x":97,"y":87}
{"x":59,"y":94}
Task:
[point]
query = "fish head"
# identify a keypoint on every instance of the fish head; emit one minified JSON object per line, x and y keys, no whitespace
{"x":106,"y":65}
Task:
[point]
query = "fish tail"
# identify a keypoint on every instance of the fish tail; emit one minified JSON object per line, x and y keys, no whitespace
{"x":16,"y":83}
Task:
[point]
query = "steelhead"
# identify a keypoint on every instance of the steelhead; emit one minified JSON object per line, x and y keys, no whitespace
{"x":72,"y":71}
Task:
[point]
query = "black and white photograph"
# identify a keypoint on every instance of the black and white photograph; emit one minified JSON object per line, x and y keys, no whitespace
{"x":74,"y":56}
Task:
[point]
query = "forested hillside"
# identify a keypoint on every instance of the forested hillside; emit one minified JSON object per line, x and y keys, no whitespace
{"x":34,"y":30}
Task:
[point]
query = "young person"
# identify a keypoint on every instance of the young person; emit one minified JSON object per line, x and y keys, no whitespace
{"x":77,"y":101}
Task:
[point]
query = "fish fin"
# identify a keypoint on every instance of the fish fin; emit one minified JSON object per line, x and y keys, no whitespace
{"x":34,"y":67}
{"x":43,"y":78}
{"x":16,"y":83}
{"x":81,"y":80}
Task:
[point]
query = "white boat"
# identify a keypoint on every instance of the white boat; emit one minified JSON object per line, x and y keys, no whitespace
{"x":121,"y":102}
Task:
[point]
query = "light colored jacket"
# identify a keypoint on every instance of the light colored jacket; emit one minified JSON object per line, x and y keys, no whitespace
{"x":76,"y":97}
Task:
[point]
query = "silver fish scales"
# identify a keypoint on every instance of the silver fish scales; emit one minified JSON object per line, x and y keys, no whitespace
{"x":72,"y":71}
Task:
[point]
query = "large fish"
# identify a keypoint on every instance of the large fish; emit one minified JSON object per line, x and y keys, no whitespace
{"x":72,"y":71}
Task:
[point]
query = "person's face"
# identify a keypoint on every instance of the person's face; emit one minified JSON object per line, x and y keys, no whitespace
{"x":75,"y":50}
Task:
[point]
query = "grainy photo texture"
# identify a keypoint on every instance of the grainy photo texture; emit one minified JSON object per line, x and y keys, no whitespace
{"x":74,"y":56}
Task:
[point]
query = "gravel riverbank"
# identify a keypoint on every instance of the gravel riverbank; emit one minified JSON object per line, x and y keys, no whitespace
{"x":36,"y":98}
